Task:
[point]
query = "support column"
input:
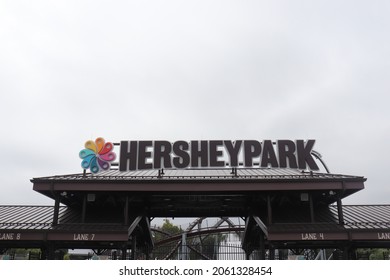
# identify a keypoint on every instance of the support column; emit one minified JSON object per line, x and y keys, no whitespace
{"x":262,"y":247}
{"x":124,"y":252}
{"x":50,"y":252}
{"x":352,"y":253}
{"x":133,"y":247}
{"x":281,"y":254}
{"x":43,"y":253}
{"x":147,"y":254}
{"x":269,"y":209}
{"x":184,"y":255}
{"x":126,"y":211}
{"x":346,"y":253}
{"x":340,"y":211}
{"x":271,"y":250}
{"x":56,"y":209}
{"x":114,"y":255}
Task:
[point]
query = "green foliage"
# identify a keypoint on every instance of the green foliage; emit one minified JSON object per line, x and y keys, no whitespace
{"x":170,"y":228}
{"x":24,"y":253}
{"x":379,"y":254}
{"x":373,"y":254}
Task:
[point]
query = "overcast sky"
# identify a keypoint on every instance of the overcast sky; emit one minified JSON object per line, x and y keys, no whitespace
{"x":71,"y":71}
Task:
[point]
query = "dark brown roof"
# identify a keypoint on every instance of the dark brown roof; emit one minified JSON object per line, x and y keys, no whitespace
{"x":184,"y":186}
{"x":34,"y":217}
{"x":200,"y":181}
{"x":356,"y":217}
{"x":365,"y":216}
{"x":366,"y":225}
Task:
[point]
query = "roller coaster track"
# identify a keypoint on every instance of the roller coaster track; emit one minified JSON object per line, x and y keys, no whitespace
{"x":204,"y":231}
{"x":192,"y":232}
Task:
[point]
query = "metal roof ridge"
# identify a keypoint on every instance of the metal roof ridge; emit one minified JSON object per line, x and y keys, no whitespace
{"x":27,"y":205}
{"x":115,"y":174}
{"x":355,"y":205}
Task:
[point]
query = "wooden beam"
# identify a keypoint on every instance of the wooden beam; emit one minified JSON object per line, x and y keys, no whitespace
{"x":262,"y":226}
{"x":134,"y":224}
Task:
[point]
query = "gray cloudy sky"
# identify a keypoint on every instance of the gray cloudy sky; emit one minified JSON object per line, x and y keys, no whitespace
{"x":71,"y":71}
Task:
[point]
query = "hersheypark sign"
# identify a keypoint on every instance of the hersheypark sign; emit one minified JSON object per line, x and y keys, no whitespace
{"x":140,"y":155}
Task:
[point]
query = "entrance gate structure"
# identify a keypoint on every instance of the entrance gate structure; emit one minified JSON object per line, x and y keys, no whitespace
{"x":282,"y":209}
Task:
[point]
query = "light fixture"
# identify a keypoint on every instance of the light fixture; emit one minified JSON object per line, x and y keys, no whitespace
{"x":91,"y":197}
{"x":304,"y":197}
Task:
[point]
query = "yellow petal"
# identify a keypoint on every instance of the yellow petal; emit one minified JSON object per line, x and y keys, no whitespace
{"x":91,"y":146}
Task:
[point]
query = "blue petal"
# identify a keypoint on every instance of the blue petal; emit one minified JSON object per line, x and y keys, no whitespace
{"x":94,"y":166}
{"x":86,"y":152}
{"x":87,"y":161}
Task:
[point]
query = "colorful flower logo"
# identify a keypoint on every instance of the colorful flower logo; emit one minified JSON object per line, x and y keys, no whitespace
{"x":97,"y":155}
